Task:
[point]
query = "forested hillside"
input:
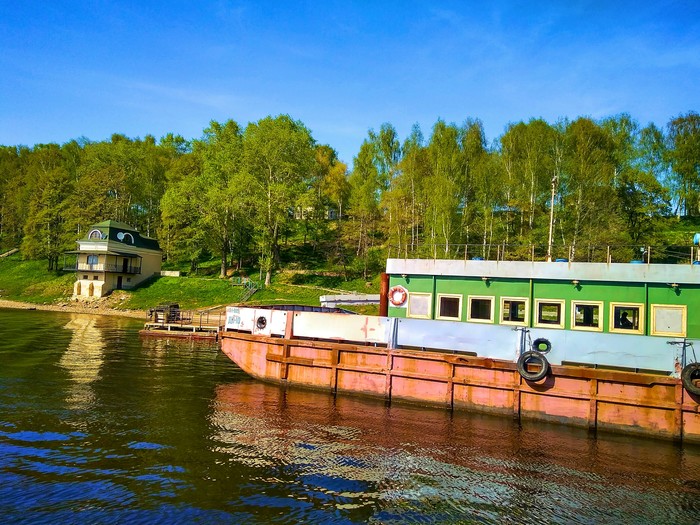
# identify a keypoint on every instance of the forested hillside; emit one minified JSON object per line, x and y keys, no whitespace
{"x":240,"y":193}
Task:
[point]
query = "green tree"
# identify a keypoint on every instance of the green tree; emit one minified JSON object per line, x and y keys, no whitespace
{"x":590,"y":202}
{"x":444,"y":181}
{"x":279,"y":156}
{"x":181,"y":236}
{"x":44,"y":233}
{"x":13,"y":196}
{"x":684,"y":157}
{"x":363,"y":206}
{"x":641,"y":197}
{"x":414,"y":170}
{"x":223,"y":189}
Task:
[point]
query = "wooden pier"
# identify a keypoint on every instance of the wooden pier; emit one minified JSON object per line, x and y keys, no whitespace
{"x":170,"y":321}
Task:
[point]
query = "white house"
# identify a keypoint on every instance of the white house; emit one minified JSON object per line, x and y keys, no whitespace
{"x":113,"y":256}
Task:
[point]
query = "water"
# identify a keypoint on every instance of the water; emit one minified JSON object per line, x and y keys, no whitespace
{"x":98,"y":425}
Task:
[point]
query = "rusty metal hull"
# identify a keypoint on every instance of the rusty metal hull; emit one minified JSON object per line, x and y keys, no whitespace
{"x":636,"y":403}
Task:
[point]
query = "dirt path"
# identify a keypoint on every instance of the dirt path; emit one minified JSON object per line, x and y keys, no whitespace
{"x":81,"y":308}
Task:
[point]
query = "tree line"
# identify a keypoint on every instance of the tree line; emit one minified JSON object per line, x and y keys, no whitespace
{"x":238,"y":193}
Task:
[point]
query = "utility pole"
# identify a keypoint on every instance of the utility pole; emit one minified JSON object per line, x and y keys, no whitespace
{"x":551,"y":219}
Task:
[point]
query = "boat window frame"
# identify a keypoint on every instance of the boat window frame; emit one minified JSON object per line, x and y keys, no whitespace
{"x":491,"y":298}
{"x":562,"y":314}
{"x":601,"y":315}
{"x":438,"y":306}
{"x":417,"y":295}
{"x":684,"y":319}
{"x":613,"y":329}
{"x":527,"y":311}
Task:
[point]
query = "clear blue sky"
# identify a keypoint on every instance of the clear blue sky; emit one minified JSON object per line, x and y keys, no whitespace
{"x":93,"y":68}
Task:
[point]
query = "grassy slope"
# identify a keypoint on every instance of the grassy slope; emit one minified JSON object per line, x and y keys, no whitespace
{"x":29,"y":281}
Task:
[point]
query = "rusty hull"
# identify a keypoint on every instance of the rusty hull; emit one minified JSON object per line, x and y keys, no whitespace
{"x":635,"y":403}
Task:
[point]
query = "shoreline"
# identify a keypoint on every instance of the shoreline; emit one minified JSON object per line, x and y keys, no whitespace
{"x":93,"y":309}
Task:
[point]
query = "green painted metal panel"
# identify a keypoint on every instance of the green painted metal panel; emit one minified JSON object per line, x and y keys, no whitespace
{"x":588,"y":291}
{"x":685,"y":295}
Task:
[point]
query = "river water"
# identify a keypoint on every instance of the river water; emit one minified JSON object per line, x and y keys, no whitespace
{"x":99,"y":425}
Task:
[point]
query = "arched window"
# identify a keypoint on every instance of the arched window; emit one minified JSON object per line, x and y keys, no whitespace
{"x":95,"y":234}
{"x":125,"y":237}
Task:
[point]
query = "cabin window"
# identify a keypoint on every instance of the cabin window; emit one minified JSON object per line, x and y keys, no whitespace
{"x":550,"y":313}
{"x":669,"y":320}
{"x":419,"y":305}
{"x":449,"y":307}
{"x":514,"y":310}
{"x":480,"y":309}
{"x":627,"y":318}
{"x":587,"y":316}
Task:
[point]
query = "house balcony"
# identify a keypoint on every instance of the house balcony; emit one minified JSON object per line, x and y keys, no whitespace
{"x":107,"y":268}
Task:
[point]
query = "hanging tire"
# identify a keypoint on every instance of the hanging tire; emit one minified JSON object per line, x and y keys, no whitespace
{"x":539,"y":343}
{"x":689,"y":376}
{"x":533,"y":357}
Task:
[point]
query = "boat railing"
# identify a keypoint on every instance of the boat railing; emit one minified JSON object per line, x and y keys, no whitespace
{"x":612,"y":253}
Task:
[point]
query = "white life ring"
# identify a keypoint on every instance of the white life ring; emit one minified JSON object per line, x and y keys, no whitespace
{"x":398,"y":295}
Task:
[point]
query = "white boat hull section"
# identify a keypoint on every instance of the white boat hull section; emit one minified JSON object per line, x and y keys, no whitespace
{"x":367,"y":329}
{"x":635,"y":352}
{"x":495,"y":341}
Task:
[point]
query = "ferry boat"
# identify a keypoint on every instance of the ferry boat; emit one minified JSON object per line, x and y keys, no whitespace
{"x":605,"y":345}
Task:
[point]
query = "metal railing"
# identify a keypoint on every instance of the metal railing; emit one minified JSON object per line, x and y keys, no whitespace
{"x":649,"y":254}
{"x":249,"y":287}
{"x":111,"y":268}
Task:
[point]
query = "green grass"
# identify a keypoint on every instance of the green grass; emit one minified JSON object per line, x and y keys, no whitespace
{"x":29,"y":281}
{"x":189,"y":292}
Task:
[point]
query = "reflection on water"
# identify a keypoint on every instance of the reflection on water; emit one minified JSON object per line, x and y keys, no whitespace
{"x":82,"y":359}
{"x":403,"y":463}
{"x":98,"y":425}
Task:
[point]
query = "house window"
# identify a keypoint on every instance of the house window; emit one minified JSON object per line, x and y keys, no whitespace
{"x":419,"y":305}
{"x":449,"y":307}
{"x":627,"y":318}
{"x":514,"y":310}
{"x":92,"y":259}
{"x":94,"y":277}
{"x":85,"y":277}
{"x":587,"y":316}
{"x":480,"y":309}
{"x":669,"y":320}
{"x":95,"y":234}
{"x":550,"y":313}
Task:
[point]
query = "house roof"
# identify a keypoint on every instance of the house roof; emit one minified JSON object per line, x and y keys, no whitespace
{"x":119,"y":232}
{"x":114,"y":224}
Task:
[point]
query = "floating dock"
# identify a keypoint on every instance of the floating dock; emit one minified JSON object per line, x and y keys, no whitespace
{"x":170,"y":321}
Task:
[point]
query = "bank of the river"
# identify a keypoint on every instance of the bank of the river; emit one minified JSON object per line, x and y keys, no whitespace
{"x":74,"y":307}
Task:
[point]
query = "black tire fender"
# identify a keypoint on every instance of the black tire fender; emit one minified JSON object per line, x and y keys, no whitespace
{"x":533,"y":356}
{"x":690,"y":374}
{"x":537,"y":343}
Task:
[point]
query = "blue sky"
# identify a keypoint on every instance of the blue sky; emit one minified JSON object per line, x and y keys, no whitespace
{"x":93,"y":68}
